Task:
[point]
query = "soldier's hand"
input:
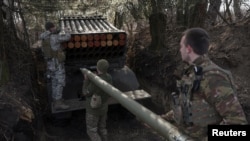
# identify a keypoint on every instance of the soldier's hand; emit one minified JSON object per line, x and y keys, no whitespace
{"x":169,"y":116}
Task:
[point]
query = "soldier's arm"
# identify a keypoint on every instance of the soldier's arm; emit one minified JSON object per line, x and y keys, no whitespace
{"x":64,"y":37}
{"x":85,"y":88}
{"x":93,"y":88}
{"x":44,"y":35}
{"x":220,"y":94}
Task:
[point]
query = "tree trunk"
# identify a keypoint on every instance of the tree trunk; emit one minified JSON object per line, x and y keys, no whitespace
{"x":4,"y":70}
{"x":197,"y":12}
{"x":237,"y":11}
{"x":158,"y":6}
{"x":118,"y":19}
{"x":158,"y":26}
{"x":180,"y":20}
{"x":213,"y":10}
{"x":228,"y":12}
{"x":1,"y":32}
{"x":191,"y":13}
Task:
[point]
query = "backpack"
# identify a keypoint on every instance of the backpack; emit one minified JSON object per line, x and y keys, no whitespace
{"x":96,"y":101}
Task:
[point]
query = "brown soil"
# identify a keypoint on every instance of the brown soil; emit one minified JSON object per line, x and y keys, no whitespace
{"x":155,"y":71}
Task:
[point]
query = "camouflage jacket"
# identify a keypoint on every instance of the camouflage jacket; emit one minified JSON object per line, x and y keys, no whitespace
{"x":212,"y":101}
{"x":93,"y":89}
{"x":52,"y":49}
{"x":55,"y":38}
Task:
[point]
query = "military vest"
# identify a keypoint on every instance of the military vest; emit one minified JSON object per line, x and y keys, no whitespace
{"x":46,"y":48}
{"x":50,"y":53}
{"x":189,"y":107}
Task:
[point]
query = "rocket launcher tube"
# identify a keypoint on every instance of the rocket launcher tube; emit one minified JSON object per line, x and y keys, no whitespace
{"x":163,"y":127}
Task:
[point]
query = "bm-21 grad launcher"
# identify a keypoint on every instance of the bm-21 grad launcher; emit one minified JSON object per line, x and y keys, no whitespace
{"x":94,"y":38}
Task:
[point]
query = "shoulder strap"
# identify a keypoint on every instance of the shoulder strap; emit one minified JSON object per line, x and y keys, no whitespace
{"x":213,"y":67}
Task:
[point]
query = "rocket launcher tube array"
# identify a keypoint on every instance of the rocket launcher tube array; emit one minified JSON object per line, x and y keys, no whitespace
{"x":163,"y":127}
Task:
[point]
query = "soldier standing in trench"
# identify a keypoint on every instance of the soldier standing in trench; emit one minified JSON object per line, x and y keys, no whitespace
{"x":55,"y":57}
{"x":96,"y":117}
{"x":205,"y":90}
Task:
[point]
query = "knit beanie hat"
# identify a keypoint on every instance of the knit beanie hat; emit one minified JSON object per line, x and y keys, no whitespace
{"x":103,"y":65}
{"x":49,"y":25}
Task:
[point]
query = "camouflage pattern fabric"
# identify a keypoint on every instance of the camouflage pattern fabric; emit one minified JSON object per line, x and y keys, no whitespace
{"x":96,"y":127}
{"x":96,"y":117}
{"x":58,"y":82}
{"x":93,"y":89}
{"x":55,"y":68}
{"x":216,"y":90}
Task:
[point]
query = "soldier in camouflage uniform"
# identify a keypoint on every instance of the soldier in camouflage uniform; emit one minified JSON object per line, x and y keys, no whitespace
{"x":206,"y":91}
{"x":55,"y":57}
{"x":96,"y":117}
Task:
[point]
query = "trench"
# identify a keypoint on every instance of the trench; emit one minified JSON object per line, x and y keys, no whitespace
{"x":121,"y":125}
{"x":70,"y":126}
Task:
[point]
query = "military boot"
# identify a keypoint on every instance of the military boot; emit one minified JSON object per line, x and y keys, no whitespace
{"x":60,"y":105}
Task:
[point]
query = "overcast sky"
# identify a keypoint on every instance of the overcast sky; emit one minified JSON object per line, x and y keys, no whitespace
{"x":245,"y":5}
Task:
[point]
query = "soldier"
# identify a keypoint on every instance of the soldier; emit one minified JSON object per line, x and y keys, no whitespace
{"x":96,"y":116}
{"x":206,"y":91}
{"x":54,"y":55}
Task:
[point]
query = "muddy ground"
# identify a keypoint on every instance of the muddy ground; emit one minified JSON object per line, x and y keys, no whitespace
{"x":230,"y":49}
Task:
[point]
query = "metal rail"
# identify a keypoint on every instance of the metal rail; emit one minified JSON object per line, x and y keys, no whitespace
{"x":162,"y":127}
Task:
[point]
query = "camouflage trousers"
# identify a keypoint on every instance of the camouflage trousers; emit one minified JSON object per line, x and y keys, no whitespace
{"x":57,"y":74}
{"x":96,"y":127}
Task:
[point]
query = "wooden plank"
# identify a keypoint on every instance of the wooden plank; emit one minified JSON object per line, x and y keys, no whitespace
{"x":76,"y":104}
